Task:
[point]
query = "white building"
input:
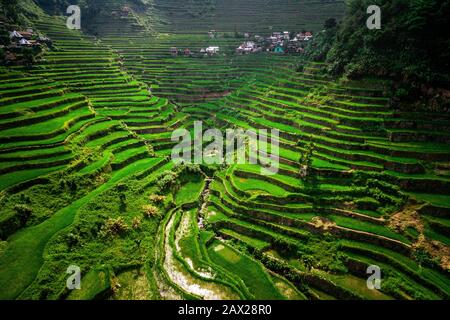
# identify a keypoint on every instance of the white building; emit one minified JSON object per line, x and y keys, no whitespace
{"x":24,"y":42}
{"x":15,"y":34}
{"x":247,"y":47}
{"x":212,"y":50}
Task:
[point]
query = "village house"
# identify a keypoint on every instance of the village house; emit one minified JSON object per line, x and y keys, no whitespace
{"x":212,"y":50}
{"x":174,"y":51}
{"x":278,"y":42}
{"x":279,"y":49}
{"x":26,"y":34}
{"x":246,"y":47}
{"x":15,"y":35}
{"x":26,"y":38}
{"x":278,"y":38}
{"x":304,"y":36}
{"x":273,"y":39}
{"x":212,"y":34}
{"x":24,"y":42}
{"x":24,"y":47}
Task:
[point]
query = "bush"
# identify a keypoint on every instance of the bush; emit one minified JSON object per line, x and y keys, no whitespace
{"x":23,"y":210}
{"x":188,"y":168}
{"x":73,"y":239}
{"x":166,"y":181}
{"x":114,"y":227}
{"x":150,"y":211}
{"x":317,"y":50}
{"x":424,"y":258}
{"x":323,"y":254}
{"x":300,"y":68}
{"x":136,"y":223}
{"x":158,"y":199}
{"x":10,"y":223}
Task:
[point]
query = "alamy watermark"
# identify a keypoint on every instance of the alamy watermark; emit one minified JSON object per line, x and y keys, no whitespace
{"x":74,"y":280}
{"x":374,"y":280}
{"x":234,"y":146}
{"x":74,"y":20}
{"x":374,"y":21}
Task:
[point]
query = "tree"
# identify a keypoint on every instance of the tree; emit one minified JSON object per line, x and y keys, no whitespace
{"x":330,"y":23}
{"x":10,"y":10}
{"x":412,"y":44}
{"x":317,"y":50}
{"x":305,"y":161}
{"x":4,"y":38}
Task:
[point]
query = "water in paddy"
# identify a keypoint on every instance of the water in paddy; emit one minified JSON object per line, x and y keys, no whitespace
{"x":208,"y":290}
{"x":359,"y":286}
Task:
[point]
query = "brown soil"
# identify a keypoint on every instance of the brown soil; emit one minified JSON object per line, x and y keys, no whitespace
{"x":323,"y":223}
{"x":435,"y":249}
{"x":409,"y":217}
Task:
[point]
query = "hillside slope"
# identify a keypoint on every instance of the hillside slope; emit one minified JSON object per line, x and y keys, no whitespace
{"x":411,"y":48}
{"x":258,"y":16}
{"x":86,"y":177}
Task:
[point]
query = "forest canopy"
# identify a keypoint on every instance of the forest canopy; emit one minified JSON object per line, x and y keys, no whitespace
{"x":412,"y":44}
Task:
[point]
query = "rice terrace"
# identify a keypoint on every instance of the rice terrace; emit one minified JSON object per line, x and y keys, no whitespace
{"x":347,"y":102}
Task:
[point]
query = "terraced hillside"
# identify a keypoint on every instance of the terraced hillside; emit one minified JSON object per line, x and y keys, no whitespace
{"x":255,"y":16}
{"x":87,"y":179}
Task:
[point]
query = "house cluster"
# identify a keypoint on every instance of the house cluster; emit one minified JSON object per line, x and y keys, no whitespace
{"x":249,"y":47}
{"x":282,"y":37}
{"x":25,"y":38}
{"x":20,"y":41}
{"x":304,"y":36}
{"x":209,"y":51}
{"x":278,"y":42}
{"x":174,"y":51}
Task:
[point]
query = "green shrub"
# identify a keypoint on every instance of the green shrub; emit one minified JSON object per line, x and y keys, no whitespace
{"x":15,"y":220}
{"x":322,"y":254}
{"x":166,"y":181}
{"x":158,"y":199}
{"x":136,"y":223}
{"x":402,"y":47}
{"x":150,"y":211}
{"x":114,"y":227}
{"x":424,"y":258}
{"x":23,"y":210}
{"x":73,"y":239}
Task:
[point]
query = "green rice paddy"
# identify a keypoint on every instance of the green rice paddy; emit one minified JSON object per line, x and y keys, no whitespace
{"x":88,"y":129}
